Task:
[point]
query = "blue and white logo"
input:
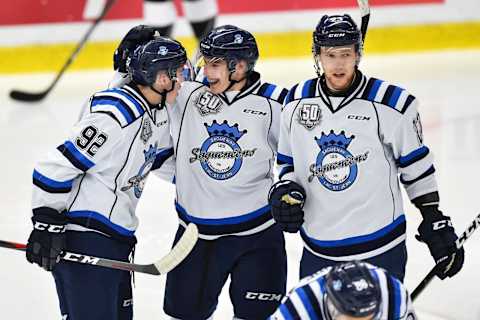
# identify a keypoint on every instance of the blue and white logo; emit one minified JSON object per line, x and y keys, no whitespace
{"x":220,"y":155}
{"x":137,"y":182}
{"x":335,"y":167}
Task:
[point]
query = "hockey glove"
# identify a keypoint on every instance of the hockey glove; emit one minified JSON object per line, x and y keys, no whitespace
{"x":286,"y":199}
{"x":437,"y":232}
{"x":135,"y":37}
{"x":47,"y":240}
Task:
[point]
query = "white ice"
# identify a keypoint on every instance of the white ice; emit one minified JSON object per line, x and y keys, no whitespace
{"x":446,"y":84}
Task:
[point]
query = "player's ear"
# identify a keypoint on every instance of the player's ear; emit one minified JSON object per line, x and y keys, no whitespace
{"x":162,"y":78}
{"x":241,"y":66}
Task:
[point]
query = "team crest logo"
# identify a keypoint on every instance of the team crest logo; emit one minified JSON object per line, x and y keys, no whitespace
{"x":220,"y":155}
{"x":237,"y":38}
{"x":146,"y":133}
{"x":137,"y":182}
{"x":309,"y":115}
{"x":336,"y":168}
{"x":208,"y":103}
{"x":163,"y":50}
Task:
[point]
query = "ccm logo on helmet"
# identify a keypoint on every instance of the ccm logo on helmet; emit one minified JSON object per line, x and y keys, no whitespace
{"x":263,"y":296}
{"x":336,"y":35}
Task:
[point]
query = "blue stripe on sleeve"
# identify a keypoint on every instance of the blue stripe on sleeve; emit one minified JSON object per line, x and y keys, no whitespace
{"x":306,"y":88}
{"x":285,"y":312}
{"x":282,"y":159}
{"x":269,"y":91}
{"x":374,"y":90}
{"x":81,"y":162}
{"x":306,"y":302}
{"x":394,"y":98}
{"x":50,"y":185}
{"x":413,"y":157}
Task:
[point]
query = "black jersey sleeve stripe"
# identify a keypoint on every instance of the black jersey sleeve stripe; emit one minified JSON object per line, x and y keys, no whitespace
{"x":391,"y":298}
{"x":408,"y":102}
{"x":368,"y":88}
{"x":292,"y":310}
{"x":50,"y":185}
{"x":315,"y":303}
{"x":76,"y":158}
{"x":312,"y":88}
{"x":430,"y":171}
{"x":388,"y":95}
{"x":283,"y":94}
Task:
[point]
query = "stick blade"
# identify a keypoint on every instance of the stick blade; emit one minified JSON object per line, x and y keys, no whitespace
{"x":27,"y":96}
{"x":180,"y":251}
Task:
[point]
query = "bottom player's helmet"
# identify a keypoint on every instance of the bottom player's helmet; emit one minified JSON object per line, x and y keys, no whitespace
{"x":352,"y":290}
{"x":335,"y":31}
{"x":231,"y":44}
{"x":159,"y":54}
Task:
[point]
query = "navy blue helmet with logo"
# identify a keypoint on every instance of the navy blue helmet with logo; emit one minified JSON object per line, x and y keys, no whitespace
{"x":335,"y":31}
{"x":352,"y":290}
{"x":231,"y":44}
{"x":161,"y":53}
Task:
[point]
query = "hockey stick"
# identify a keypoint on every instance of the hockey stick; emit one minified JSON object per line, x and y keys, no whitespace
{"x":365,"y":13}
{"x":179,"y":252}
{"x":35,"y":97}
{"x":459,"y":243}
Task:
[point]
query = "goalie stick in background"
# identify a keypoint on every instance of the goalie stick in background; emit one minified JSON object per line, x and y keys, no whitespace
{"x":349,"y":291}
{"x":345,"y":138}
{"x":86,"y":191}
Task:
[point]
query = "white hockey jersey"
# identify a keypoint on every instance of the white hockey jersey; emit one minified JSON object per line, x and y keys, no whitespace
{"x":97,"y":175}
{"x":225,"y":148}
{"x":305,"y":301}
{"x":348,"y":152}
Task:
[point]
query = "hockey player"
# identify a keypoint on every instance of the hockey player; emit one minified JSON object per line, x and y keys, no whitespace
{"x":201,"y":14}
{"x":344,"y":140}
{"x":349,"y":291}
{"x":86,"y":191}
{"x":225,"y":133}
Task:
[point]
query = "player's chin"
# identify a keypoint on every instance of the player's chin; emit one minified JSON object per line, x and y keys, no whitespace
{"x":216,"y":87}
{"x":339,"y":81}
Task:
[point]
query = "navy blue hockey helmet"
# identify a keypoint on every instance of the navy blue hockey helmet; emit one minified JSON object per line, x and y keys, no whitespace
{"x":161,"y":53}
{"x":232,"y":44}
{"x":335,"y":31}
{"x":352,"y":290}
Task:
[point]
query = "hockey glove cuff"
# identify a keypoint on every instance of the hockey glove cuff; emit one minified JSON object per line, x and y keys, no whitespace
{"x":437,"y":232}
{"x":47,"y":240}
{"x":286,"y":199}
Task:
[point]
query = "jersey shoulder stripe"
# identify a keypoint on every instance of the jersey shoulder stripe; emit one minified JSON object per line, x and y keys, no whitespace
{"x":387,"y":94}
{"x":303,"y":90}
{"x":119,"y":104}
{"x":272,"y":91}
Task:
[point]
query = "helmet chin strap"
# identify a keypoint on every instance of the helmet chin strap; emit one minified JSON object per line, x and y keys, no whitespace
{"x":164,"y":93}
{"x":232,"y":81}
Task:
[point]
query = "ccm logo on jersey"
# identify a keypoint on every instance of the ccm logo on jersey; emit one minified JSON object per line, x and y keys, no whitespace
{"x":263,"y":296}
{"x":355,"y":117}
{"x":49,"y":227}
{"x":256,"y":112}
{"x":80,"y":258}
{"x":442,"y":224}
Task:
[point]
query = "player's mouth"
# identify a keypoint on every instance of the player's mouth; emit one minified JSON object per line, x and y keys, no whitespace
{"x":213,"y":82}
{"x":339,"y":75}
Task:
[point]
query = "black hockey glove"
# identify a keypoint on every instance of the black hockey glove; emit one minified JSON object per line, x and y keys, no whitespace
{"x":47,"y":240}
{"x":437,"y":232}
{"x":286,"y":199}
{"x":135,"y":37}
